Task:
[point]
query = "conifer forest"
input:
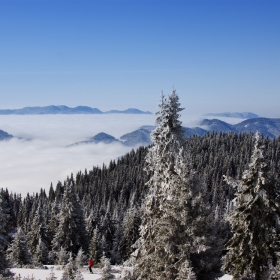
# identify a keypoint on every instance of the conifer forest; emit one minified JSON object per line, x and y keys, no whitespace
{"x":182,"y":208}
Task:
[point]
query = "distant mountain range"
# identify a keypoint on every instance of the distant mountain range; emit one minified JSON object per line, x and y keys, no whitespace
{"x":135,"y":138}
{"x":244,"y":115}
{"x":266,"y":126}
{"x":51,"y":110}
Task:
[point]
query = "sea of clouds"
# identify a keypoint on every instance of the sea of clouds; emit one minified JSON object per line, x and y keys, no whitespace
{"x":39,"y":155}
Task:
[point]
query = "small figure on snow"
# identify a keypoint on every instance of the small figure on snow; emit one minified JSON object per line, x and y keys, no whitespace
{"x":90,"y":264}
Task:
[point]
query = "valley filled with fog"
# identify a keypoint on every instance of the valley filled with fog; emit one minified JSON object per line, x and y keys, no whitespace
{"x":38,"y":155}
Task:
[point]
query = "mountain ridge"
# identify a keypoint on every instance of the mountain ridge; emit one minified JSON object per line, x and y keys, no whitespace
{"x":243,"y":115}
{"x":62,"y":109}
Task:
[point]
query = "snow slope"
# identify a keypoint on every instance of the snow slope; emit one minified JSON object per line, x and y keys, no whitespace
{"x":42,"y":274}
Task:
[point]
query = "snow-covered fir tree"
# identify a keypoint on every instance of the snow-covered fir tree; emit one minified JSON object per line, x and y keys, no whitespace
{"x":3,"y":223}
{"x":177,"y":212}
{"x":95,"y":250}
{"x":53,"y":220}
{"x":90,"y":220}
{"x":36,"y":235}
{"x":80,"y":258}
{"x":41,"y":253}
{"x":62,"y":256}
{"x":71,"y":232}
{"x":255,"y":221}
{"x":106,"y":268}
{"x":18,"y":252}
{"x":3,"y":237}
{"x":70,"y":269}
{"x":131,"y":223}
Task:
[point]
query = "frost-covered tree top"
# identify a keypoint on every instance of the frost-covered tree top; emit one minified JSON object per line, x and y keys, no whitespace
{"x":168,"y":116}
{"x":168,"y":138}
{"x":168,"y":124}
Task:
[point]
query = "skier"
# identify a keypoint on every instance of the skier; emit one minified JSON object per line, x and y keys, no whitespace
{"x":90,"y":264}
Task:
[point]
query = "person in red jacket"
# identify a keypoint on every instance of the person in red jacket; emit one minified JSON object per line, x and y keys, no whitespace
{"x":90,"y":264}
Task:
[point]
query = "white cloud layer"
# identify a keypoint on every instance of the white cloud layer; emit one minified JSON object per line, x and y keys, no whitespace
{"x":28,"y":165}
{"x":41,"y":156}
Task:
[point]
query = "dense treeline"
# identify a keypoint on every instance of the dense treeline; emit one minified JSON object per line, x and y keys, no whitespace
{"x":100,"y":209}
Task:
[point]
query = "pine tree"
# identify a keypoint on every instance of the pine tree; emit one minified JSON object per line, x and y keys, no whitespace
{"x":53,"y":221}
{"x":95,"y":250}
{"x":80,"y":258}
{"x":90,"y":222}
{"x":255,"y":221}
{"x":18,"y":252}
{"x":176,"y":209}
{"x":70,"y":269}
{"x":106,"y":268}
{"x":3,"y":238}
{"x":41,"y":253}
{"x":131,"y":223}
{"x":62,"y":256}
{"x":38,"y":234}
{"x":71,"y":232}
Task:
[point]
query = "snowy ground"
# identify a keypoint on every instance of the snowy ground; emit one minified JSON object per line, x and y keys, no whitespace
{"x":42,"y":274}
{"x":226,"y":277}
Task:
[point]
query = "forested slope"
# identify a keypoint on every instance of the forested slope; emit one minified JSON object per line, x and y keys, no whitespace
{"x":107,"y":199}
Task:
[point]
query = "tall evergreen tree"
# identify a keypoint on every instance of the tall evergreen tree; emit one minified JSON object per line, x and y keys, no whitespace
{"x":95,"y":251}
{"x":176,"y":209}
{"x":70,"y":270}
{"x":106,"y":269}
{"x":18,"y":252}
{"x":71,"y":232}
{"x":37,"y":232}
{"x":3,"y":237}
{"x":62,"y":256}
{"x":53,"y":221}
{"x":130,"y":233}
{"x":80,"y":258}
{"x":41,"y":253}
{"x":255,"y":221}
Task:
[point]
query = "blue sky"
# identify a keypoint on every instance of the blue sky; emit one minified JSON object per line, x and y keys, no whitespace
{"x":219,"y":55}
